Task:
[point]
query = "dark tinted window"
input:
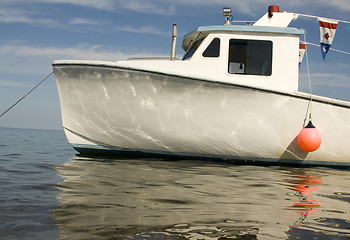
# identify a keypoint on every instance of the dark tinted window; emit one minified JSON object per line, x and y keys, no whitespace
{"x":252,"y":57}
{"x":213,"y":50}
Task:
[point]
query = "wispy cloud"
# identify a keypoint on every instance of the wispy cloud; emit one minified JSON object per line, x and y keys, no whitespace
{"x":37,"y":60}
{"x":256,"y":7}
{"x":83,"y":21}
{"x":98,"y":4}
{"x":148,"y":7}
{"x":169,"y":7}
{"x":9,"y":15}
{"x":144,"y":6}
{"x":7,"y":83}
{"x":142,"y":29}
{"x":330,"y":79}
{"x":341,"y":5}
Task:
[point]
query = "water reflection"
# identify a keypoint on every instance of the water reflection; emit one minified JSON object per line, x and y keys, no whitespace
{"x":153,"y":199}
{"x":306,"y":185}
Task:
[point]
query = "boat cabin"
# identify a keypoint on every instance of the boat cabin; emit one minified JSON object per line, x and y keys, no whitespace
{"x":264,"y":55}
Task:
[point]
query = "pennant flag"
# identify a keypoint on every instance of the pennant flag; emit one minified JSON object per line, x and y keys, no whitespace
{"x":327,"y":33}
{"x":302,"y":48}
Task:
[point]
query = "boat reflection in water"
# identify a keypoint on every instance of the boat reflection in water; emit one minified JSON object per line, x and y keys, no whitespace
{"x":154,"y":199}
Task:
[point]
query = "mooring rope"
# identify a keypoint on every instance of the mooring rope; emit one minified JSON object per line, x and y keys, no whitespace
{"x":26,"y":94}
{"x":309,"y":107}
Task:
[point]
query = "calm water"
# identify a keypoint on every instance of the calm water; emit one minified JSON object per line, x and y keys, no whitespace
{"x":48,"y":192}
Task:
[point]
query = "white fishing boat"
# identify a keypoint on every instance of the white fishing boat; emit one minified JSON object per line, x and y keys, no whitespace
{"x":233,"y":96}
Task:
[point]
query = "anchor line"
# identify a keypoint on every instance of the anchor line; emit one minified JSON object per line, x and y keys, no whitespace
{"x":25,"y":95}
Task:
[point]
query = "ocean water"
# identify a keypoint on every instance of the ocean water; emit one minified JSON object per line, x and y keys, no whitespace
{"x":48,"y":191}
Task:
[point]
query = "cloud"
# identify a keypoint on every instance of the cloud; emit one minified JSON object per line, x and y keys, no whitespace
{"x":9,"y":15}
{"x":111,"y":5}
{"x":147,"y":7}
{"x":341,"y":5}
{"x":330,"y":79}
{"x":142,"y":29}
{"x":253,"y":8}
{"x":81,"y":51}
{"x":144,"y":6}
{"x":169,"y":7}
{"x":257,"y":7}
{"x":7,"y":83}
{"x":99,"y":4}
{"x":333,"y":85}
{"x":36,"y":60}
{"x":83,"y":21}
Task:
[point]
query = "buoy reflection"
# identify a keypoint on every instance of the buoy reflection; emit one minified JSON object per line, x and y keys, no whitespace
{"x":306,"y":185}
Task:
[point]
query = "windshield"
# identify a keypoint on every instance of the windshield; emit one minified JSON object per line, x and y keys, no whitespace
{"x":193,"y":49}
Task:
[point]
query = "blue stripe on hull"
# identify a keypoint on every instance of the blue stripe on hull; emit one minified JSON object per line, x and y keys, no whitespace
{"x":92,"y":150}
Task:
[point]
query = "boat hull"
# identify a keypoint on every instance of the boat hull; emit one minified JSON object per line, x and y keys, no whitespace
{"x":115,"y":110}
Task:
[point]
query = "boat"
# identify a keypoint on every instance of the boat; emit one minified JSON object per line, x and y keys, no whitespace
{"x":233,"y":96}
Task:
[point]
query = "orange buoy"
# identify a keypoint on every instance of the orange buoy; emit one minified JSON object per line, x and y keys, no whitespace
{"x":309,"y":138}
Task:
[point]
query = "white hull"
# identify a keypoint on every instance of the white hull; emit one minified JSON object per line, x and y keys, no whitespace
{"x":120,"y":110}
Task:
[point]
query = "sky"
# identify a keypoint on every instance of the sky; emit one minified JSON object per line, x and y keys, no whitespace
{"x":34,"y":33}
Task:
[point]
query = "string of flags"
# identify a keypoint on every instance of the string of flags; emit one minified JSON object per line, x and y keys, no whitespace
{"x":327,"y":33}
{"x":328,"y":28}
{"x":302,"y":48}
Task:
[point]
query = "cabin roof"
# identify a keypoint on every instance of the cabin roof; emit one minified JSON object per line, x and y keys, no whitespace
{"x":206,"y":30}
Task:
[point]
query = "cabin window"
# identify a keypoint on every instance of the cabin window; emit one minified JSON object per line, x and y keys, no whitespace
{"x":213,"y":50}
{"x":193,"y":49}
{"x":252,"y":57}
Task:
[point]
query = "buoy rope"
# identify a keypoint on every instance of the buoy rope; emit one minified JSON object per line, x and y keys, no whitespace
{"x":26,"y":94}
{"x":309,"y":107}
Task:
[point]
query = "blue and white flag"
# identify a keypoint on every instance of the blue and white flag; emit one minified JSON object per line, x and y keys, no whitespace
{"x":327,"y":33}
{"x":302,"y":49}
